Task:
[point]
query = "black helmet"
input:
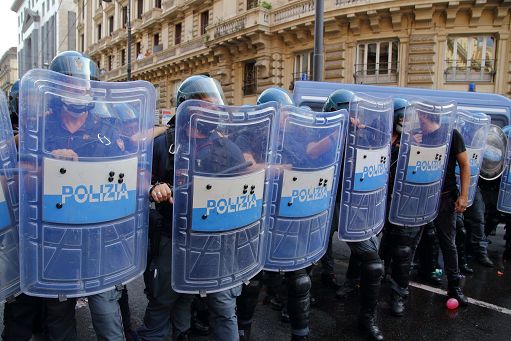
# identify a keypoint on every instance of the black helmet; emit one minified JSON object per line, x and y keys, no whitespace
{"x":14,"y":95}
{"x":200,"y":87}
{"x":275,"y":94}
{"x":339,"y":99}
{"x":75,"y":64}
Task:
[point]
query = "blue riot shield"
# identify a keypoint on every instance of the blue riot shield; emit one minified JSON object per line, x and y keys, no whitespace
{"x":366,"y":168}
{"x":306,"y":164}
{"x":221,"y":187}
{"x":9,"y":214}
{"x":473,"y":127}
{"x":421,"y":164}
{"x":83,"y":204}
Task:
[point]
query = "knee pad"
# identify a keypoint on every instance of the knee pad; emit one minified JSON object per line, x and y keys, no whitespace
{"x":403,"y":251}
{"x":373,"y":271}
{"x":299,"y":285}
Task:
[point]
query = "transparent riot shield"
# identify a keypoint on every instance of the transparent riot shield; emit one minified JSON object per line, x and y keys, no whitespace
{"x":421,"y":164}
{"x":221,"y":187}
{"x":504,"y":199}
{"x":9,"y":207}
{"x":473,"y":127}
{"x":306,"y":165}
{"x":494,"y":154}
{"x":366,"y":168}
{"x":83,"y":204}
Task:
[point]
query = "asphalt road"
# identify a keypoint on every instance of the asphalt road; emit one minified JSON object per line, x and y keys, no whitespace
{"x":489,"y":318}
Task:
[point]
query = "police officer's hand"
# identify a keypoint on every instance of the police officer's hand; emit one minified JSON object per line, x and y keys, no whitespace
{"x":65,"y":154}
{"x":161,"y":193}
{"x":461,"y":204}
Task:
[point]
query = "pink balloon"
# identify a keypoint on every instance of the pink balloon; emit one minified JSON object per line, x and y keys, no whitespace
{"x":452,"y":303}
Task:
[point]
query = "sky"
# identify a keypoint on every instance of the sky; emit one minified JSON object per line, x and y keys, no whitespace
{"x":8,"y":26}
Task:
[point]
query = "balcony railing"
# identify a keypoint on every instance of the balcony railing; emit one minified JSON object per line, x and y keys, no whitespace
{"x":350,"y":2}
{"x":293,"y":11}
{"x":151,"y":15}
{"x":379,"y":73}
{"x":255,"y":16}
{"x":473,"y":70}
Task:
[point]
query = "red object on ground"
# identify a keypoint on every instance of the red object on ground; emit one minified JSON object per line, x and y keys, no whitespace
{"x":452,"y":303}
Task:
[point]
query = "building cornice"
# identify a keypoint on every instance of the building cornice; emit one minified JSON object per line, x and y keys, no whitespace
{"x":15,"y":7}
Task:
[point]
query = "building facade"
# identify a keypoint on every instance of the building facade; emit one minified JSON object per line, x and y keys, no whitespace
{"x":45,"y":28}
{"x":8,"y":69}
{"x":249,"y":45}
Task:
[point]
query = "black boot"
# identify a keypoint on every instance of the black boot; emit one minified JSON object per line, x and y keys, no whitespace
{"x":349,"y":287}
{"x":372,"y":273}
{"x":465,"y":269}
{"x":397,"y":304}
{"x":483,"y":259}
{"x":244,"y":332}
{"x":329,"y":279}
{"x":454,"y":291}
{"x":299,"y":338}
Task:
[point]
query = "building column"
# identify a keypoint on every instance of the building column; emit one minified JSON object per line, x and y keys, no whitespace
{"x":502,"y":76}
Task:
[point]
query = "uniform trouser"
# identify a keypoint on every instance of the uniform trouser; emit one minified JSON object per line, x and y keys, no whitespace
{"x":428,"y":249}
{"x":371,"y":273}
{"x":445,"y":224}
{"x":20,"y":317}
{"x":166,"y":308}
{"x":298,"y":301}
{"x":474,"y":224}
{"x":105,"y":315}
{"x":461,"y":238}
{"x":400,"y":245}
{"x":491,"y":214}
{"x":327,"y":261}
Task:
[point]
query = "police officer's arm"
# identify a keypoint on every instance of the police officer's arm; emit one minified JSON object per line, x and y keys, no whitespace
{"x":316,"y":149}
{"x":161,"y":192}
{"x":461,"y":203}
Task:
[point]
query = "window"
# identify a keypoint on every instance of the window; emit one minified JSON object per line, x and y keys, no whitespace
{"x":123,"y":57}
{"x":177,"y":34}
{"x":139,"y":48}
{"x":249,"y":79}
{"x":124,"y":16}
{"x":48,"y":5}
{"x":204,"y":22}
{"x":157,"y":3}
{"x":252,"y":4}
{"x":110,"y":63}
{"x":43,"y":9}
{"x":99,"y":32}
{"x":156,"y":39}
{"x":470,"y":59}
{"x":82,"y":42}
{"x":377,"y":62}
{"x":83,"y":9}
{"x":303,"y":66}
{"x":110,"y":24}
{"x":140,"y":8}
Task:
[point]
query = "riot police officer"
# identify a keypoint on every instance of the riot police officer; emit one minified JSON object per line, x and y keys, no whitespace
{"x":73,"y":130}
{"x":298,"y":283}
{"x":215,"y":153}
{"x":366,"y":260}
{"x":14,"y":94}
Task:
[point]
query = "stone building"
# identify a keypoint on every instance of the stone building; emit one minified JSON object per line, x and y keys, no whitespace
{"x":8,"y":70}
{"x":249,"y":45}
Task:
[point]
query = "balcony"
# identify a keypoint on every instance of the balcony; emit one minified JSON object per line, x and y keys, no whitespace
{"x":104,"y":42}
{"x":151,"y":16}
{"x":472,"y":70}
{"x":119,"y":35}
{"x":378,"y":73}
{"x":254,"y":17}
{"x":98,"y":14}
{"x":190,"y":46}
{"x":292,"y":12}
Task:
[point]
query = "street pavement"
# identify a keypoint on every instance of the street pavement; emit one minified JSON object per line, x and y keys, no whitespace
{"x":488,"y":318}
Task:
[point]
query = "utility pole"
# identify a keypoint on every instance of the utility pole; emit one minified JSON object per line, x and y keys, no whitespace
{"x":318,"y":42}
